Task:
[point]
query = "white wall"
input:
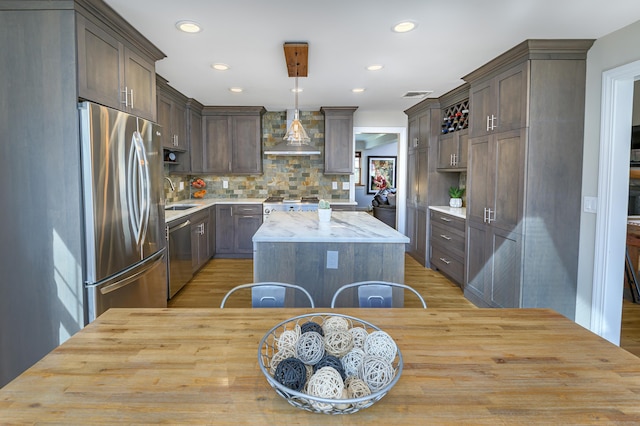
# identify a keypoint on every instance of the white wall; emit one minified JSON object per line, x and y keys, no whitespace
{"x":608,"y":52}
{"x":381,"y":118}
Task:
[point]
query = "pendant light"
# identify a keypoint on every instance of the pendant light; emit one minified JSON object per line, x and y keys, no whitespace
{"x":296,"y":135}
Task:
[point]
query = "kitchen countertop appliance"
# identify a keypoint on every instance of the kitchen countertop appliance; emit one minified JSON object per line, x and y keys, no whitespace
{"x":280,"y":204}
{"x":122,"y":178}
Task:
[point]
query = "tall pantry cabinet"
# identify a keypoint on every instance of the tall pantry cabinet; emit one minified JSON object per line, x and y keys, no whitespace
{"x":525,"y":148}
{"x":425,"y":186}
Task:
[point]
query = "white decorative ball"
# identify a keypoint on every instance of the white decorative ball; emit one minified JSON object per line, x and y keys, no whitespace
{"x":335,"y":324}
{"x":310,"y":347}
{"x":351,"y":361}
{"x":380,"y":344}
{"x":376,"y":372}
{"x":338,"y":343}
{"x":359,"y":336}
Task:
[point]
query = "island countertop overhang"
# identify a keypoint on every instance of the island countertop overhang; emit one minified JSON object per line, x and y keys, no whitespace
{"x":343,"y":227}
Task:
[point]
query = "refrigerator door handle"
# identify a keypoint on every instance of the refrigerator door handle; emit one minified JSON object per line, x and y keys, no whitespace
{"x":138,"y":188}
{"x":149,"y":264}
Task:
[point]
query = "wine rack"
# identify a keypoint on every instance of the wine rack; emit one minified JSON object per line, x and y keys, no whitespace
{"x":455,"y":117}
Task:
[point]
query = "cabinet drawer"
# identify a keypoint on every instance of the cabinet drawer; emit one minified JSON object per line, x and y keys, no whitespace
{"x":247,"y":209}
{"x":447,"y":220}
{"x":448,"y":264}
{"x":448,"y":239}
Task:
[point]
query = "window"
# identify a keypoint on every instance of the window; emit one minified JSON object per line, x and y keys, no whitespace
{"x":358,"y":168}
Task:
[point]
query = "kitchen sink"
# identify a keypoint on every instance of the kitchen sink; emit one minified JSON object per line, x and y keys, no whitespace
{"x":181,"y":207}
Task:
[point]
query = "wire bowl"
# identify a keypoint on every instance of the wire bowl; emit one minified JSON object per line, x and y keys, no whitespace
{"x":268,"y":348}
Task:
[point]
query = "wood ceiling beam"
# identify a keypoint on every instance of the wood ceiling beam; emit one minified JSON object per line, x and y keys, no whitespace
{"x":296,"y":56}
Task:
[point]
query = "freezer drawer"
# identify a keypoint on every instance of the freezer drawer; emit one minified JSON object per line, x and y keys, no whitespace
{"x":142,"y":286}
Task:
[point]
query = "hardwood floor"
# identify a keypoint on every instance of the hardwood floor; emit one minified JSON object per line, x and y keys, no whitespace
{"x":212,"y":282}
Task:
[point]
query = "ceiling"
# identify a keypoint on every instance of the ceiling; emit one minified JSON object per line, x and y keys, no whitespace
{"x":344,"y":37}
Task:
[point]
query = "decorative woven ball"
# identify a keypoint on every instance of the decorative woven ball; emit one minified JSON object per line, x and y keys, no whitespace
{"x":292,"y":373}
{"x":345,"y":395}
{"x":325,"y":383}
{"x":310,"y":347}
{"x":357,"y":388}
{"x":309,"y":371}
{"x":359,"y":336}
{"x":338,"y":343}
{"x":288,"y":339}
{"x":312,"y":326}
{"x":278,"y":357}
{"x":376,"y":372}
{"x":351,"y":361}
{"x":331,"y":361}
{"x":380,"y":344}
{"x":335,"y":324}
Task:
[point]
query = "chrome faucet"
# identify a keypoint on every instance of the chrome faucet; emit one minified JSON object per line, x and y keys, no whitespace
{"x":173,"y":187}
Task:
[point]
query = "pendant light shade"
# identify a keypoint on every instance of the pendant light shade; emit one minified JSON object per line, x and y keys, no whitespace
{"x":296,"y":135}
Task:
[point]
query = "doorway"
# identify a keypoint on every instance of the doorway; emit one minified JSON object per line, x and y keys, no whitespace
{"x":400,"y":134}
{"x":613,"y":190}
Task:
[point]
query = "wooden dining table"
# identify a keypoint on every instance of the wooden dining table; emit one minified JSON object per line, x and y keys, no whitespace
{"x":200,"y":366}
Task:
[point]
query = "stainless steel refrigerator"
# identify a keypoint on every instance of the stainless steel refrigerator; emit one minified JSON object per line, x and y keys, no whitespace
{"x":122,"y":180}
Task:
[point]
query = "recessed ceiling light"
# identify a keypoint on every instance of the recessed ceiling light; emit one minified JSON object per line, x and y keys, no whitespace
{"x":220,"y":67}
{"x":376,"y":67}
{"x":405,"y":26}
{"x":296,"y":89}
{"x":188,"y":26}
{"x":235,"y":89}
{"x":358,"y":90}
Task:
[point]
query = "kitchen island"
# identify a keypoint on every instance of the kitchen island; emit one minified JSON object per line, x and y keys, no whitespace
{"x":295,"y":248}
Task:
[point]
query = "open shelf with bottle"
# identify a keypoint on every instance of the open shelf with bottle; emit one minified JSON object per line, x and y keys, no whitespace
{"x":455,"y":117}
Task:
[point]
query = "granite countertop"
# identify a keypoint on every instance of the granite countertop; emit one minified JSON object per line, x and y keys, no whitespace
{"x":201,"y":204}
{"x":353,"y":227}
{"x":173,"y":215}
{"x":460,"y":212}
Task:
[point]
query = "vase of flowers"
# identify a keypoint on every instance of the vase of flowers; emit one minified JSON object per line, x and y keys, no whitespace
{"x":324,"y":211}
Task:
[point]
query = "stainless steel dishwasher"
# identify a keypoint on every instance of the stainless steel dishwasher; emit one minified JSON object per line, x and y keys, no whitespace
{"x":180,"y":271}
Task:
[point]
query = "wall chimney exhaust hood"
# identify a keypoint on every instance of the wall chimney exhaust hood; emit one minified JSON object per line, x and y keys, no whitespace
{"x":287,"y":148}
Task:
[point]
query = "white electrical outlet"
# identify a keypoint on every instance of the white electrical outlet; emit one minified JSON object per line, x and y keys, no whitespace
{"x":181,"y":186}
{"x":225,"y":184}
{"x":332,"y":259}
{"x":334,"y":185}
{"x":345,"y":186}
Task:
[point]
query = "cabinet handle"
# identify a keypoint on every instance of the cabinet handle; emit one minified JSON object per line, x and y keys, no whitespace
{"x":126,"y":96}
{"x":491,"y":219}
{"x":131,"y":98}
{"x":416,"y":142}
{"x":484,"y":216}
{"x":445,"y":219}
{"x":446,"y":237}
{"x":491,"y":122}
{"x":445,"y":260}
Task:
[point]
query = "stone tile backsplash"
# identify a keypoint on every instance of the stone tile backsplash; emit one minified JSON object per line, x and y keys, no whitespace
{"x":288,"y":176}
